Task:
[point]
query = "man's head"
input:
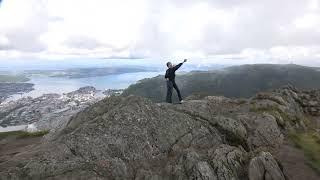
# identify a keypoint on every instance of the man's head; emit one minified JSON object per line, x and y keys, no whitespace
{"x":169,"y":65}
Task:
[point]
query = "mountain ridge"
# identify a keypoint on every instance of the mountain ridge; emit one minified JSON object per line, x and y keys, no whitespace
{"x":233,"y":82}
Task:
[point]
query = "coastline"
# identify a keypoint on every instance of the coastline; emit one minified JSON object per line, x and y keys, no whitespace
{"x":9,"y":89}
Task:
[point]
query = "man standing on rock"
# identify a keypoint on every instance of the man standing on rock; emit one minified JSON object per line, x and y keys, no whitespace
{"x":170,"y":77}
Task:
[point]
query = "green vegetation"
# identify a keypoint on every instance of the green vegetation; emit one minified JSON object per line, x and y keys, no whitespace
{"x":233,"y":82}
{"x":280,"y":116}
{"x":309,"y":143}
{"x":13,"y":78}
{"x":22,"y":134}
{"x":307,"y":140}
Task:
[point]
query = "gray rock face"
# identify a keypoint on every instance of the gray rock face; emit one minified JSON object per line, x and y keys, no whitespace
{"x":196,"y":168}
{"x":265,"y":132}
{"x":132,"y":138}
{"x":264,"y":167}
{"x":228,"y":162}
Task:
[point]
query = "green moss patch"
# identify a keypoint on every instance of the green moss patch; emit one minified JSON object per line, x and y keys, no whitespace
{"x":309,"y":143}
{"x":282,"y":117}
{"x":22,"y":134}
{"x":275,"y":112}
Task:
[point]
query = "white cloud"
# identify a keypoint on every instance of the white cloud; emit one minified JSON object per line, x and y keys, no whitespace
{"x":4,"y":41}
{"x":239,"y":29}
{"x":308,"y":21}
{"x":21,"y":24}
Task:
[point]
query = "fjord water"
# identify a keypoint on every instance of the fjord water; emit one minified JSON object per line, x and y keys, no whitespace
{"x":45,"y":85}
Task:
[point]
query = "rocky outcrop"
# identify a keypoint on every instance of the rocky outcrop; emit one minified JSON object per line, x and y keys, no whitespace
{"x":133,"y":138}
{"x":265,"y":167}
{"x":284,"y":105}
{"x":228,"y":162}
{"x":309,"y":101}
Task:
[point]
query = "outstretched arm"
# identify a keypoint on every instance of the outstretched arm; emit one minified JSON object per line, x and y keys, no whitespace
{"x":179,"y":65}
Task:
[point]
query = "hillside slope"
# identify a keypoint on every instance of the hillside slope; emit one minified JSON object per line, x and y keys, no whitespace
{"x":238,"y":81}
{"x":213,"y":138}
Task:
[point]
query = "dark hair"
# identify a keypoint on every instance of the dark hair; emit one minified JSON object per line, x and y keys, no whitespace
{"x":168,"y":63}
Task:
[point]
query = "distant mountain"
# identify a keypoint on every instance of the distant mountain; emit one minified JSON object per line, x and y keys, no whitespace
{"x":237,"y":81}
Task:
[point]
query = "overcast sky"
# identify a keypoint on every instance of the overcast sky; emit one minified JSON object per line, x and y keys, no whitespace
{"x":278,"y":31}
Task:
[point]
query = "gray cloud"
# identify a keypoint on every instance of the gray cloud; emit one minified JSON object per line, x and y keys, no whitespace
{"x":26,"y":38}
{"x":260,"y":25}
{"x":22,"y":40}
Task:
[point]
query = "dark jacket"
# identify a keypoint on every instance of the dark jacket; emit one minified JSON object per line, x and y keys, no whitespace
{"x":170,"y":73}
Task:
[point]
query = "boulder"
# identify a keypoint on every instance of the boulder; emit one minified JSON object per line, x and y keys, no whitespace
{"x":265,"y":132}
{"x":228,"y":162}
{"x":265,"y":167}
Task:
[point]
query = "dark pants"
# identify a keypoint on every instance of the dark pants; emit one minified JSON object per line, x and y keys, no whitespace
{"x":170,"y":86}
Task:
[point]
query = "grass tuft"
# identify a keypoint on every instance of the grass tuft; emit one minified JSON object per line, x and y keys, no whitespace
{"x":275,"y":112}
{"x":309,"y":143}
{"x":22,"y":134}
